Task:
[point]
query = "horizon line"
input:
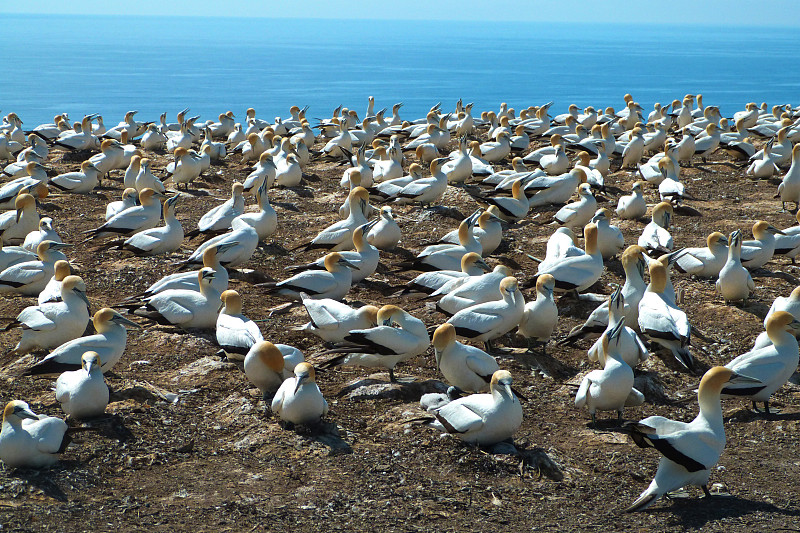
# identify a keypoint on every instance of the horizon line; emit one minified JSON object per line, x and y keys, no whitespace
{"x":416,"y":20}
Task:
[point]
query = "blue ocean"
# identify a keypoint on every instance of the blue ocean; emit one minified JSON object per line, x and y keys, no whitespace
{"x":111,"y":65}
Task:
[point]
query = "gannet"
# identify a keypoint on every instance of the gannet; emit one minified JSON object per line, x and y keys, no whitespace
{"x":609,"y":238}
{"x":633,"y":289}
{"x":263,"y":172}
{"x":109,"y":343}
{"x":480,"y":166}
{"x":82,"y":182}
{"x":187,"y":167}
{"x":129,"y":199}
{"x":632,"y":206}
{"x":15,"y":225}
{"x":611,"y":388}
{"x":241,"y":242}
{"x":689,"y":449}
{"x":705,"y":146}
{"x":547,"y":190}
{"x":556,"y":163}
{"x":494,"y":151}
{"x":146,"y":179}
{"x":661,"y":320}
{"x":28,"y":184}
{"x":85,"y":139}
{"x":594,"y":176}
{"x":459,"y":168}
{"x":735,"y":283}
{"x":110,"y":157}
{"x":489,"y":320}
{"x":628,"y":345}
{"x":182,"y":307}
{"x":159,"y":240}
{"x":332,"y":321}
{"x":385,"y":235}
{"x":466,"y":291}
{"x":772,"y":365}
{"x":153,"y":139}
{"x":235,"y":333}
{"x":354,"y":179}
{"x":763,"y":167}
{"x":252,"y":148}
{"x":52,"y":130}
{"x":30,"y":277}
{"x":483,"y":419}
{"x":131,"y":220}
{"x":466,"y":367}
{"x":364,"y":259}
{"x":30,"y":166}
{"x":267,"y":365}
{"x":578,"y":213}
{"x":487,"y":230}
{"x":540,"y":315}
{"x":789,"y":189}
{"x":686,"y":148}
{"x":299,"y":400}
{"x":52,"y":291}
{"x":334,"y":282}
{"x":424,"y":191}
{"x":219,"y":218}
{"x":705,"y":262}
{"x":757,"y":253}
{"x":48,"y":325}
{"x":129,"y":178}
{"x":10,"y":255}
{"x":288,"y":172}
{"x":128,"y":126}
{"x":778,"y":149}
{"x":339,"y":236}
{"x":560,"y":244}
{"x":446,"y":256}
{"x":46,"y":232}
{"x":388,"y":166}
{"x":634,"y":150}
{"x":656,"y":237}
{"x":29,"y":440}
{"x":511,"y":209}
{"x":536,"y":155}
{"x":265,"y":219}
{"x":389,"y":188}
{"x":396,"y":337}
{"x":188,"y":280}
{"x":428,"y":282}
{"x":83,"y":393}
{"x":577,"y":272}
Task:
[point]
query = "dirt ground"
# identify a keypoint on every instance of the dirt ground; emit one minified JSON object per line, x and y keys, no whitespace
{"x":187,"y":443}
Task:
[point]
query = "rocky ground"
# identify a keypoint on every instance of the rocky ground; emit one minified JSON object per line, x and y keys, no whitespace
{"x":187,"y":443}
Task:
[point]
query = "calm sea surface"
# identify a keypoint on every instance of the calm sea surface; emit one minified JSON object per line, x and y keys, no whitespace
{"x":110,"y":65}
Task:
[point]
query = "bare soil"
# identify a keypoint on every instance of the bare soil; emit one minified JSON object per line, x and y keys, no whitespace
{"x":216,"y":459}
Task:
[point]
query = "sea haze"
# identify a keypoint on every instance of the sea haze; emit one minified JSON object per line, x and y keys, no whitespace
{"x":110,"y":65}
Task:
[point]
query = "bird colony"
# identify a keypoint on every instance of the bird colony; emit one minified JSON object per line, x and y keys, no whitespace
{"x":486,"y":253}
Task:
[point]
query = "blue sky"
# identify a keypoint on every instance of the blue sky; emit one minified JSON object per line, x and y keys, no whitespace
{"x":625,"y":15}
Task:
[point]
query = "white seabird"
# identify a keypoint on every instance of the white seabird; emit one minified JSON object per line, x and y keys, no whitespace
{"x":109,"y":343}
{"x":689,"y":449}
{"x":772,"y":365}
{"x":299,"y":400}
{"x":83,"y":393}
{"x":483,"y":419}
{"x":29,"y":440}
{"x":466,"y":367}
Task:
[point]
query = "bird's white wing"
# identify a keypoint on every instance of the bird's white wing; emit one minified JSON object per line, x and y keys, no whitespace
{"x":33,"y":318}
{"x":456,"y":417}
